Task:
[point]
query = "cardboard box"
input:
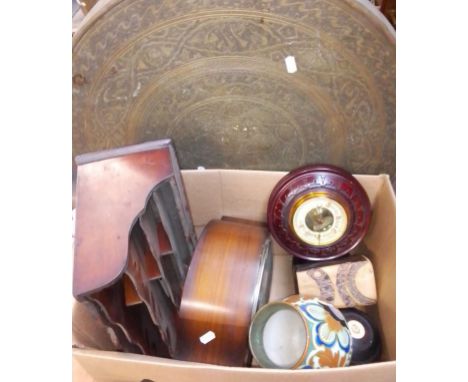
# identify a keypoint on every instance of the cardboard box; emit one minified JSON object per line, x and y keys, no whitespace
{"x":244,"y":194}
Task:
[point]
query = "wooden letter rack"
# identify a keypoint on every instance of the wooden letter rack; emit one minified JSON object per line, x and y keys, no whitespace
{"x":134,"y":239}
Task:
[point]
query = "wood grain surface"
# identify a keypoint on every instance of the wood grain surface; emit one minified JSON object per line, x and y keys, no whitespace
{"x":219,"y":293}
{"x":110,"y":195}
{"x":129,"y":199}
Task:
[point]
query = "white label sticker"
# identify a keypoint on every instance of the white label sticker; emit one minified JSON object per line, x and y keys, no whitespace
{"x":291,"y":66}
{"x":207,"y":337}
{"x":357,"y":329}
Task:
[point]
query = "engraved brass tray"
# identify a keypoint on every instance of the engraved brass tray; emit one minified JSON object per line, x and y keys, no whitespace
{"x":212,"y":76}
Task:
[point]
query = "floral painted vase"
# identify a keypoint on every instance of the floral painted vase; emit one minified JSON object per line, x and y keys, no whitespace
{"x":300,"y":333}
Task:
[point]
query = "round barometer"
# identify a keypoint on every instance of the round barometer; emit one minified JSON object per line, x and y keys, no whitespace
{"x":318,"y":212}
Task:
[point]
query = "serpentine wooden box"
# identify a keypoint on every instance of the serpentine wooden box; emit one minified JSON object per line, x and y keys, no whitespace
{"x":244,"y":194}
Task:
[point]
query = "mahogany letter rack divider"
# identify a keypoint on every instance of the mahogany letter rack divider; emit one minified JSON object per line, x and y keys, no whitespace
{"x":134,"y":239}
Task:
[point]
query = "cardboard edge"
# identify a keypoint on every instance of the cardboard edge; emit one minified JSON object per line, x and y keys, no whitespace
{"x":385,"y":312}
{"x":87,"y":357}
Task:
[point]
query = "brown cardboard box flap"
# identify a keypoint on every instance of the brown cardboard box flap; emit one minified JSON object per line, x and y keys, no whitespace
{"x":118,"y":367}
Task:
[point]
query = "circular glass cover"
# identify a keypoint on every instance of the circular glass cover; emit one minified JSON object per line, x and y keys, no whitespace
{"x":319,"y":221}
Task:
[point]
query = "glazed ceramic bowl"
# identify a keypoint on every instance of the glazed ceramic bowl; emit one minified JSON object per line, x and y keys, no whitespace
{"x":300,"y":333}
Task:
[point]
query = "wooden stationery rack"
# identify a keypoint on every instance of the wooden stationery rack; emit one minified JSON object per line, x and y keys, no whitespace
{"x":134,"y":239}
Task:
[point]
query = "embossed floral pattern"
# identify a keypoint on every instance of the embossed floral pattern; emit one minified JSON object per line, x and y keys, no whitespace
{"x":148,"y":69}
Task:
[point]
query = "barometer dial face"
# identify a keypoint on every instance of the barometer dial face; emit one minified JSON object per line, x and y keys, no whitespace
{"x":319,"y":221}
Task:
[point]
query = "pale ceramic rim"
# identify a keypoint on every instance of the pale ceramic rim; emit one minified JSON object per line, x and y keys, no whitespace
{"x":272,"y":305}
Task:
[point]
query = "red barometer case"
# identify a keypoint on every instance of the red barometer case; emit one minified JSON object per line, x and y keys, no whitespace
{"x":318,"y":212}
